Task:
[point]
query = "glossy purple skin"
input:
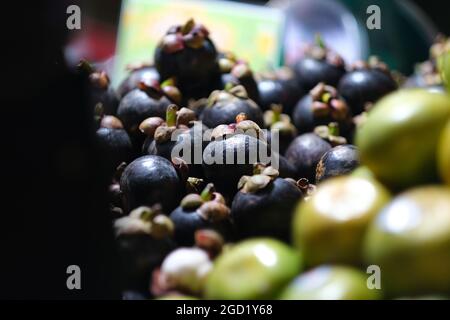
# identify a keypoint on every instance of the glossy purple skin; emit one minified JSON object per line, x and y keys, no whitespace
{"x":338,"y":161}
{"x":305,"y":153}
{"x":187,"y":140}
{"x":304,"y":120}
{"x":267,"y":212}
{"x":270,"y":92}
{"x":365,"y":86}
{"x":284,"y":140}
{"x":188,"y":221}
{"x":115,"y":146}
{"x":131,"y":82}
{"x":107,"y":97}
{"x":292,"y":93}
{"x":286,"y":93}
{"x":137,"y":106}
{"x":303,"y":117}
{"x":225,"y":176}
{"x":149,"y":180}
{"x":249,"y":83}
{"x":287,"y":169}
{"x":311,"y":71}
{"x":196,"y":70}
{"x":225,"y":112}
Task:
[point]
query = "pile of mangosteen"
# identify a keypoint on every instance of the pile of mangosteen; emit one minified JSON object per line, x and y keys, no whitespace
{"x":232,"y":184}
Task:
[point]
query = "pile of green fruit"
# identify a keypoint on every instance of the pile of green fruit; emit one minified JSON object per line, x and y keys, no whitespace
{"x":357,"y":205}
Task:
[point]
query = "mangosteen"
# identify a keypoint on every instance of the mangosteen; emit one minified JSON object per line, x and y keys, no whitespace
{"x":115,"y":146}
{"x":138,"y":73}
{"x":180,"y":136}
{"x":201,"y":211}
{"x":279,"y":87}
{"x":150,"y":100}
{"x":320,"y":107}
{"x":149,"y":180}
{"x":144,"y":239}
{"x":241,"y":74}
{"x":305,"y":153}
{"x":187,"y":53}
{"x":148,"y":128}
{"x":270,"y":92}
{"x":232,"y":153}
{"x":292,"y":92}
{"x":366,"y":84}
{"x":102,"y":93}
{"x":338,"y":161}
{"x":224,"y":106}
{"x":264,"y":205}
{"x":319,"y":64}
{"x":285,"y":168}
{"x":198,"y":106}
{"x":280,"y":127}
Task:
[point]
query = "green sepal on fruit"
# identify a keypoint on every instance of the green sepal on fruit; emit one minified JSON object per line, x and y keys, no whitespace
{"x":253,"y":269}
{"x":330,"y":282}
{"x":398,"y":142}
{"x":410,"y":242}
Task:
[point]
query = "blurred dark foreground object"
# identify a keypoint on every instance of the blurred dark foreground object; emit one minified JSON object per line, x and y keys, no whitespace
{"x":54,"y":209}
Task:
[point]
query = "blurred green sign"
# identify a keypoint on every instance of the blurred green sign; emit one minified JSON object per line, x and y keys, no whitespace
{"x":253,"y":32}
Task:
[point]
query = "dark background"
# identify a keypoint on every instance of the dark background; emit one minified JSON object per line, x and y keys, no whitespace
{"x":438,"y":12}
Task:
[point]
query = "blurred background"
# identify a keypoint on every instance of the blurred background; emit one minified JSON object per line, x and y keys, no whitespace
{"x":117,"y":32}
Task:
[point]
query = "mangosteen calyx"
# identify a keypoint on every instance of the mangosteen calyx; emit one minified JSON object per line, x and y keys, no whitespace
{"x":178,"y":37}
{"x":156,"y":91}
{"x":210,"y":205}
{"x":319,"y":51}
{"x":145,"y":221}
{"x":276,"y":120}
{"x":305,"y":187}
{"x":326,"y":103}
{"x":262,"y":176}
{"x":330,"y":133}
{"x":231,"y":92}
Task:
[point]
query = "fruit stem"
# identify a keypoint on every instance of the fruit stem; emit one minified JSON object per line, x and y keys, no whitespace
{"x":147,"y":215}
{"x":207,"y":193}
{"x":276,"y":109}
{"x":228,"y":86}
{"x":85,"y":66}
{"x":319,"y":41}
{"x":171,"y":115}
{"x":168,"y":82}
{"x":326,"y":97}
{"x":333,"y":128}
{"x":187,"y":27}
